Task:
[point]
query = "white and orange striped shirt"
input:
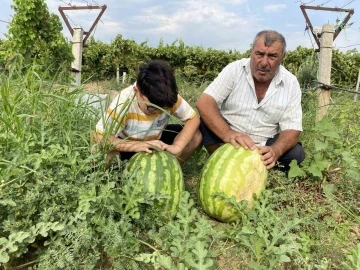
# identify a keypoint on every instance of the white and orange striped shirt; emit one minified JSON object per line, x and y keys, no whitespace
{"x":234,"y":93}
{"x":125,"y":119}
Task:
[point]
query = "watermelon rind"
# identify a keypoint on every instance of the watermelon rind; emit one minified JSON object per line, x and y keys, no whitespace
{"x":232,"y":172}
{"x":160,"y":174}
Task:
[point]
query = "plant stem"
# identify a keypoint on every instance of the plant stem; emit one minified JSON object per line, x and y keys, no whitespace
{"x":26,"y":264}
{"x":147,"y":244}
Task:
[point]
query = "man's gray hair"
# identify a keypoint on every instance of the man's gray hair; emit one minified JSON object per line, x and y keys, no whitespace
{"x":270,"y":36}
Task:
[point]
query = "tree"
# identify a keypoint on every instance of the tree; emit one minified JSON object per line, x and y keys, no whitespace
{"x":125,"y":54}
{"x":95,"y":63}
{"x":35,"y":33}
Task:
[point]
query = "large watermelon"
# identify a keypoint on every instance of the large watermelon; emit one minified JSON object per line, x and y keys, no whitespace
{"x":160,"y":174}
{"x":233,"y":172}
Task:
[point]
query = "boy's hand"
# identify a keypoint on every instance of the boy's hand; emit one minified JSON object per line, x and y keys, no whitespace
{"x":173,"y":149}
{"x":149,"y":146}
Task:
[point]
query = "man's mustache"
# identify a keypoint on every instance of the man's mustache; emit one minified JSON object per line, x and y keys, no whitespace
{"x":263,"y":69}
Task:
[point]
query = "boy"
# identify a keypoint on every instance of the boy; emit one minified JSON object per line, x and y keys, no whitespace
{"x":138,"y":117}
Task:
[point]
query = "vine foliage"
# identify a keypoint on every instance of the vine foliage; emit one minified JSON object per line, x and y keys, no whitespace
{"x":35,"y":34}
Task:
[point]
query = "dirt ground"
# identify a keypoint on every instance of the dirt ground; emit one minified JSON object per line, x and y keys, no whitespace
{"x":100,"y":88}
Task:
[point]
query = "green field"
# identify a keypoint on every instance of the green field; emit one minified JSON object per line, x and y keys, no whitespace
{"x":61,"y":209}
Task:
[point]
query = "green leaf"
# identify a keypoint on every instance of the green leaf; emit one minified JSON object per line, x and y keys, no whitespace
{"x":349,"y":159}
{"x":319,"y":145}
{"x":353,"y":173}
{"x":320,"y":162}
{"x":329,"y":189}
{"x":247,"y":230}
{"x":332,"y":134}
{"x":284,"y":258}
{"x":7,"y":202}
{"x":326,"y":128}
{"x":198,"y":258}
{"x":3,"y":240}
{"x":165,"y":261}
{"x":295,"y":170}
{"x":315,"y":171}
{"x":4,"y":257}
{"x":18,"y":237}
{"x":324,"y":125}
{"x":145,"y":257}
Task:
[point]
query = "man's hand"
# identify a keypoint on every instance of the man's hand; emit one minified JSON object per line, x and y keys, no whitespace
{"x":236,"y":138}
{"x":269,"y":155}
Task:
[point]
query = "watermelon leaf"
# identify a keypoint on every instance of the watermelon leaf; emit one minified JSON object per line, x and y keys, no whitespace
{"x":198,"y":258}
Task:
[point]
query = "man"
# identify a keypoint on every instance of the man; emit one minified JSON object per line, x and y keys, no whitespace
{"x":137,"y":119}
{"x":255,"y":103}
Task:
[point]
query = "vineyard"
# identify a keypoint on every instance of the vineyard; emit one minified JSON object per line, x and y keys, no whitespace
{"x":62,"y":208}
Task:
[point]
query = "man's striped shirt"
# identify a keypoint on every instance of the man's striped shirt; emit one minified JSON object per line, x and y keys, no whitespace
{"x":234,"y":93}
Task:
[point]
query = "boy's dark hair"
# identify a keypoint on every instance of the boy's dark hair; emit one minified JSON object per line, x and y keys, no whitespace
{"x":156,"y":81}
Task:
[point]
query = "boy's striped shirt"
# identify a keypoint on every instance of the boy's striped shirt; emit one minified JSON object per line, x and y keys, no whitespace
{"x":126,"y":120}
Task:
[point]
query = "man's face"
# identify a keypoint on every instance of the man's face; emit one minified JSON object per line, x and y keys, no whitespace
{"x":265,"y":61}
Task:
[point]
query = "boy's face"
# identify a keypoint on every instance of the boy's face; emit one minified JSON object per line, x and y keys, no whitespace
{"x":144,"y":103}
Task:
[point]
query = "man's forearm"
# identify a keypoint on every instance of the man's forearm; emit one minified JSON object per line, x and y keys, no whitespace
{"x":211,"y":116}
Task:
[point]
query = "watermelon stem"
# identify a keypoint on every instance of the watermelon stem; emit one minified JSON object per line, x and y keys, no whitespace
{"x":147,"y":244}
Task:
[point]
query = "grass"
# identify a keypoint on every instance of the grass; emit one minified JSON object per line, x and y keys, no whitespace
{"x":60,"y":209}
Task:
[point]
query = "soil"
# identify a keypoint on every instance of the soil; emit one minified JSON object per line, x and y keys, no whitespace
{"x":100,"y":88}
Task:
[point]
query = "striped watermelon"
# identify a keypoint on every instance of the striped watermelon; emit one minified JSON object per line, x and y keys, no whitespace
{"x":234,"y":172}
{"x":160,"y":174}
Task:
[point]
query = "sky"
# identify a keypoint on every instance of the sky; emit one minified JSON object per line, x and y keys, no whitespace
{"x":217,"y":24}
